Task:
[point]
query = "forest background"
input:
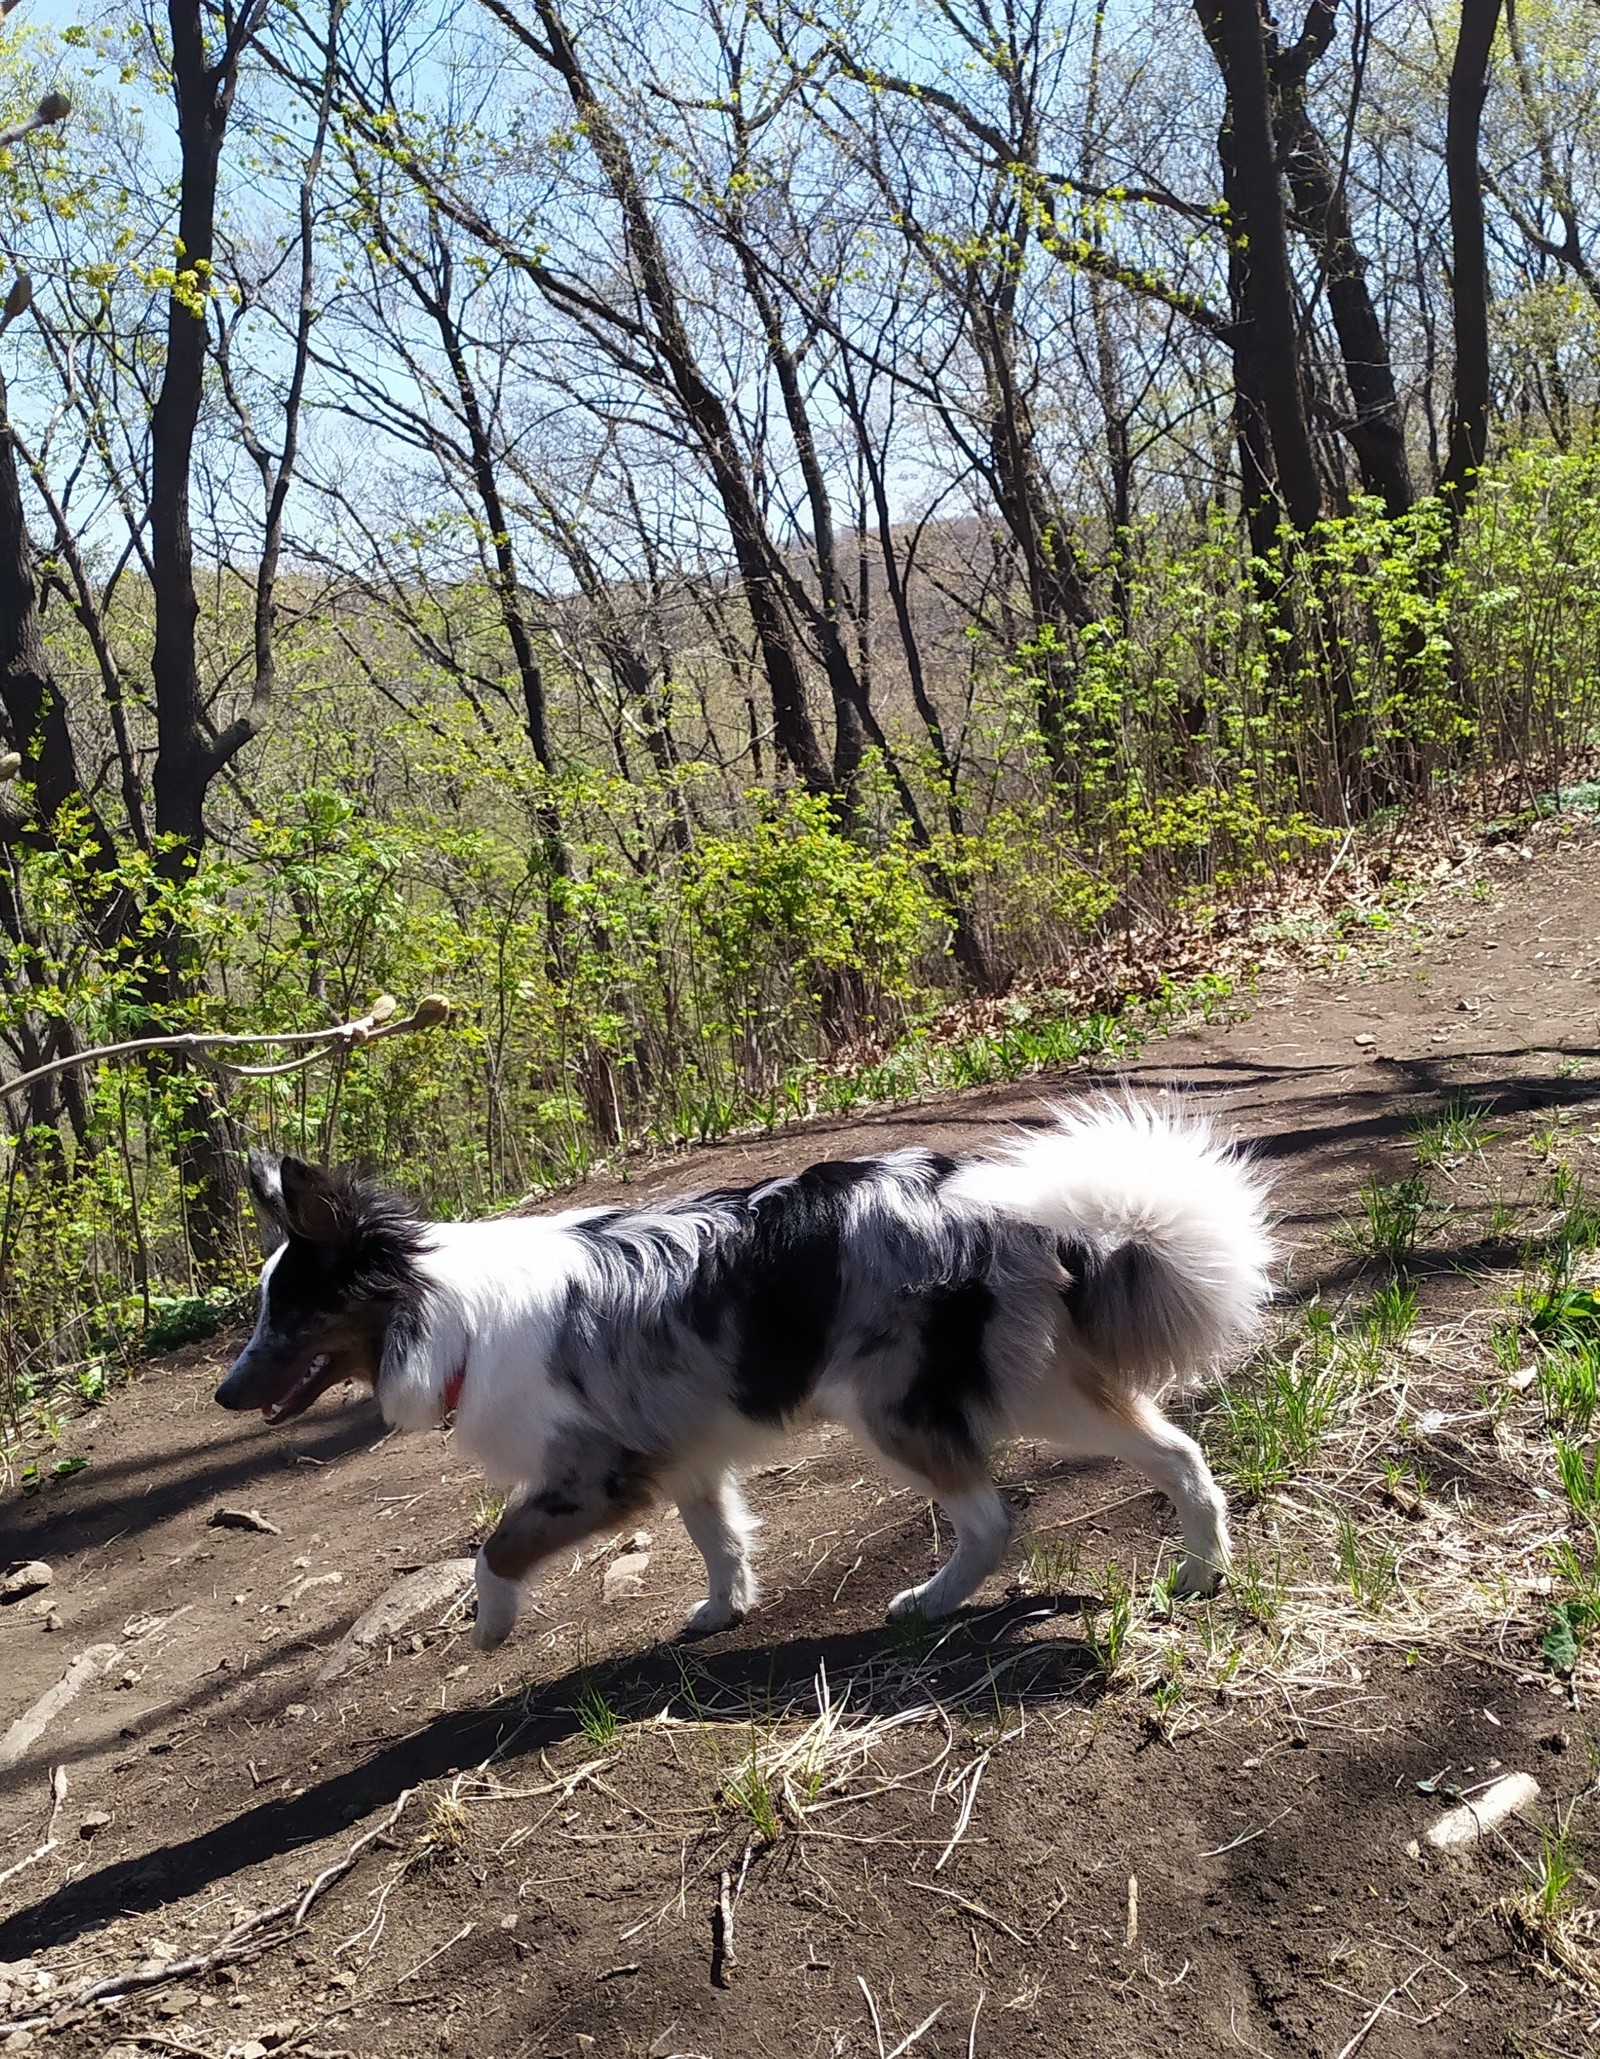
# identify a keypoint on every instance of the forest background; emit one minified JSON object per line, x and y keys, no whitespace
{"x":721,"y":534}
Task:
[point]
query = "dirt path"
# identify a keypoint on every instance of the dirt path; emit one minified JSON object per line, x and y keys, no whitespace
{"x":961,"y":1830}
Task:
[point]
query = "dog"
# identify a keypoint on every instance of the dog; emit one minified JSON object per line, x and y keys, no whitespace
{"x":602,"y":1359}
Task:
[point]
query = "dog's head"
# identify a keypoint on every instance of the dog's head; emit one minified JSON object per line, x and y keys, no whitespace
{"x":342,"y":1271}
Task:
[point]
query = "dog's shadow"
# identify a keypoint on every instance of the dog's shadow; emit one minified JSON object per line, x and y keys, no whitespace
{"x":972,"y":1664}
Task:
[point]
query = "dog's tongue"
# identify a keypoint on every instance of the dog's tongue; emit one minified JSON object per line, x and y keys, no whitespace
{"x":274,"y":1409}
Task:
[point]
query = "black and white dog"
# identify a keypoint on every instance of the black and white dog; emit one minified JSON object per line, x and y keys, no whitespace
{"x":602,"y":1358}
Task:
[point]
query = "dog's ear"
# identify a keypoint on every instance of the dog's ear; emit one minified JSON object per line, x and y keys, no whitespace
{"x":265,"y":1181}
{"x":310,"y":1203}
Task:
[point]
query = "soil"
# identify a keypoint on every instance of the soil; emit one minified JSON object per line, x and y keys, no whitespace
{"x":1050,"y":1857}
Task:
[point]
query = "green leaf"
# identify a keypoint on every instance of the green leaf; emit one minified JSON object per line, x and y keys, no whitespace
{"x":1563,"y":1640}
{"x":1574,"y":1312}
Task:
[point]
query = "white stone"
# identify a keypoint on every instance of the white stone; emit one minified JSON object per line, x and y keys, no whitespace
{"x":1466,"y":1823}
{"x":625,"y":1576}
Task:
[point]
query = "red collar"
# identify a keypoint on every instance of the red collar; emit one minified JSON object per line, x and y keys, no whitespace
{"x":453,"y":1387}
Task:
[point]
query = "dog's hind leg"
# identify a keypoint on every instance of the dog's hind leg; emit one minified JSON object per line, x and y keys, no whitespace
{"x":717,"y":1520}
{"x":1135,"y":1430}
{"x":588,"y":1483}
{"x":983,"y":1530}
{"x":950,"y":1463}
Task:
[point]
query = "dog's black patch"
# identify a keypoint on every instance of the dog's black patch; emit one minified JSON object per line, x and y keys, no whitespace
{"x":1104,"y":1288}
{"x":705,"y":1303}
{"x":787,"y":1283}
{"x":951,"y":1387}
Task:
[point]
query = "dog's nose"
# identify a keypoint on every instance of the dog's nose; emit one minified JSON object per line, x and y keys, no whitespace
{"x":230,"y":1388}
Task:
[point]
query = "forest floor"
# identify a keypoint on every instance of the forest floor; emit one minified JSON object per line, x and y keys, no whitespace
{"x":1076,"y":1822}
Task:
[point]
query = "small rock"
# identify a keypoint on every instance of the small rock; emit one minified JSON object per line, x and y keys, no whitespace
{"x":509,"y":1922}
{"x":1366,"y":1038}
{"x":177,"y":2001}
{"x":54,"y":1620}
{"x":19,"y":2041}
{"x":641,"y":1540}
{"x":243,"y":1519}
{"x":297,"y":1710}
{"x":252,"y":2048}
{"x":625,"y":1576}
{"x":274,"y":2034}
{"x":92,"y":1824}
{"x":23,"y":1580}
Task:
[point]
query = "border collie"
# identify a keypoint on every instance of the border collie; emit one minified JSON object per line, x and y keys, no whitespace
{"x":603,"y":1358}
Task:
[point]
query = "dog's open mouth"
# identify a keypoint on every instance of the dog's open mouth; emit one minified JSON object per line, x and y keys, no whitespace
{"x":321,"y":1372}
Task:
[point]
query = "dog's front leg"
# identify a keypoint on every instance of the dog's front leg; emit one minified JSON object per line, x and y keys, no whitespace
{"x":717,"y":1520}
{"x":498,"y":1602}
{"x":589,"y":1483}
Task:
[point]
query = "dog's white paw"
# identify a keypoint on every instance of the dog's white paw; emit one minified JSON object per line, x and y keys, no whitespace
{"x":1197,"y":1579}
{"x":915,"y":1601}
{"x":709,"y":1615}
{"x":498,"y":1602}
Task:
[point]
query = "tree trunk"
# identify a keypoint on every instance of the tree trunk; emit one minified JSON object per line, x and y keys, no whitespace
{"x":845,"y":683}
{"x":35,"y":714}
{"x":186,"y":751}
{"x":1469,"y":413}
{"x":1257,"y":231}
{"x":1375,"y":433}
{"x":184,"y":747}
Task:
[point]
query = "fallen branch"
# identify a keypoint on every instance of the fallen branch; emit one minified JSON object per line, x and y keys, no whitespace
{"x":722,"y":1961}
{"x":379,"y":1022}
{"x":253,"y":1934}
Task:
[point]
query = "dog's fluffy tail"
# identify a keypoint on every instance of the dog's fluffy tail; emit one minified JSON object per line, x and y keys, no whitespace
{"x":1161,"y":1228}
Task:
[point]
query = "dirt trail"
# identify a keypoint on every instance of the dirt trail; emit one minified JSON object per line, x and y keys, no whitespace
{"x":208,"y":1771}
